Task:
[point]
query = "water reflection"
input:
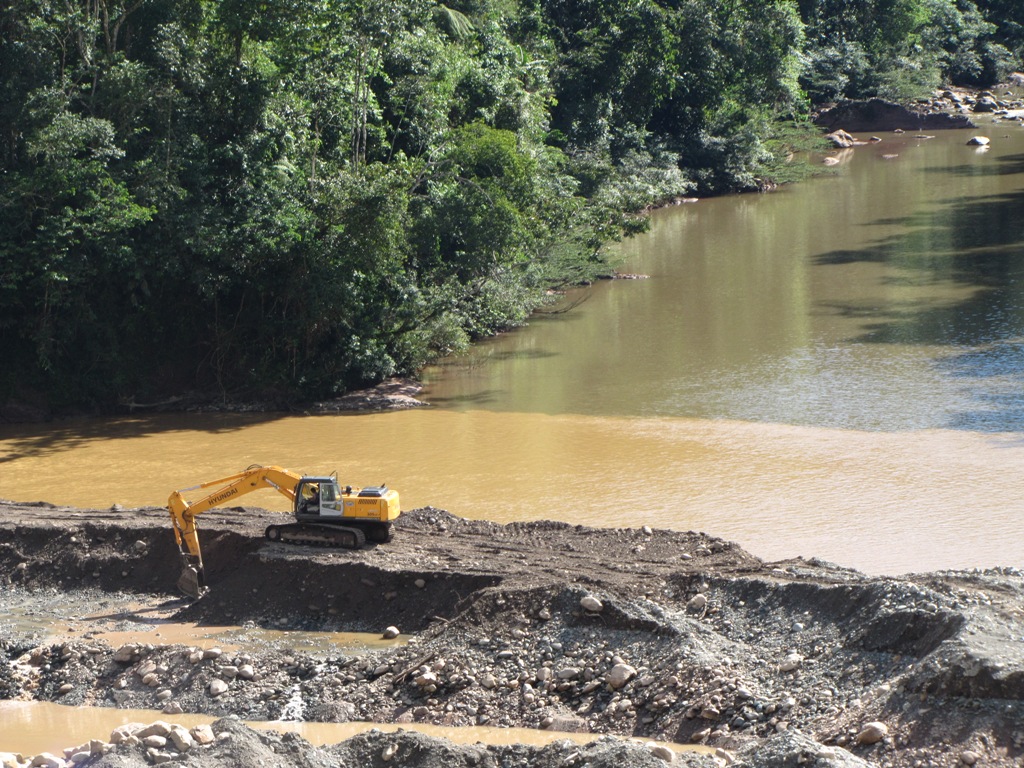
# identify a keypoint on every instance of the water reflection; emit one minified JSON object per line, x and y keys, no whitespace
{"x":831,"y":304}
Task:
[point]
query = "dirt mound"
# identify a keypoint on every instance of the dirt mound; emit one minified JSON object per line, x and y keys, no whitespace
{"x":670,"y":636}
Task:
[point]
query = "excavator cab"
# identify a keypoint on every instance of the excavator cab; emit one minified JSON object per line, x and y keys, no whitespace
{"x":317,"y":498}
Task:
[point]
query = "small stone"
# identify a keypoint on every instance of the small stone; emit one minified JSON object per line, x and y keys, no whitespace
{"x":126,"y":653}
{"x":697,"y":603}
{"x":427,"y":678}
{"x":420,"y":583}
{"x":202,"y":734}
{"x":246,"y":672}
{"x":544,"y":614}
{"x":140,"y":546}
{"x":152,"y":680}
{"x":172,"y":708}
{"x":66,"y":688}
{"x":661,"y":752}
{"x":156,"y":728}
{"x":391,"y":633}
{"x":389,"y":752}
{"x":647,"y":530}
{"x":164,"y":695}
{"x":967,"y":757}
{"x":619,"y":675}
{"x":212,"y":653}
{"x":181,"y":738}
{"x":154,"y":741}
{"x":592,"y":604}
{"x":791,"y":663}
{"x":123,"y":732}
{"x":978,"y":141}
{"x":217,"y":687}
{"x":872,"y":733}
{"x":724,"y":755}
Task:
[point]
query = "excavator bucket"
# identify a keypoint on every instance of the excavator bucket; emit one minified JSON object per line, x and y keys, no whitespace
{"x":188,"y":582}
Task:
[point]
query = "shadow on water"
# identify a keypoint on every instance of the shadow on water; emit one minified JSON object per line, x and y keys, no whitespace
{"x":1005,"y":166}
{"x":31,"y":441}
{"x":975,"y":244}
{"x":1000,"y":368}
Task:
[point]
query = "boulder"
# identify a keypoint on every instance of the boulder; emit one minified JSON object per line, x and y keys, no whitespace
{"x":842,"y":140}
{"x":877,"y":115}
{"x":985,"y":104}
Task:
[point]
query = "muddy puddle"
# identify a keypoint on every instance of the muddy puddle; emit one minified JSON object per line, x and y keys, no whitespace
{"x":141,"y":623}
{"x":32,"y":727}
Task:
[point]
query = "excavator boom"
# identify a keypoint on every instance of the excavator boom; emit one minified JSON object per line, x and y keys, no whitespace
{"x":183,"y":513}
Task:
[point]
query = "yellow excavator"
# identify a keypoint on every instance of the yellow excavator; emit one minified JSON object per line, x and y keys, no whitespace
{"x":326,"y":514}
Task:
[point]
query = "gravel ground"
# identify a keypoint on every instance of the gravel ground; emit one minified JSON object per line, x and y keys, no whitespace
{"x":669,"y":636}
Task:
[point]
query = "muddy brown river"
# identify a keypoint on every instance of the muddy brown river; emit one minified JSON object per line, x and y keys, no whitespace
{"x":833,"y":370}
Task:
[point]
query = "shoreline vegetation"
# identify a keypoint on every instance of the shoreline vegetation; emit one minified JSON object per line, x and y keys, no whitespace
{"x":287,"y":203}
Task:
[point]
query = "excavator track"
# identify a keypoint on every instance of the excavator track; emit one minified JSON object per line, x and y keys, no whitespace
{"x":312,"y":534}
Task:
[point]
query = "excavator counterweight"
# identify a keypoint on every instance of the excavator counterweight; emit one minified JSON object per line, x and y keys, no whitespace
{"x":326,"y":514}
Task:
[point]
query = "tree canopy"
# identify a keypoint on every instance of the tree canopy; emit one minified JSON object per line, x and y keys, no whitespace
{"x":290,"y":199}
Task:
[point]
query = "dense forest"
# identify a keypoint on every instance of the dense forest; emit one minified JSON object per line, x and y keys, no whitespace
{"x":284,"y":199}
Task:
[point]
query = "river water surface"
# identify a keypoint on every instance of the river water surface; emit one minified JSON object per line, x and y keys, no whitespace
{"x":832,"y":370}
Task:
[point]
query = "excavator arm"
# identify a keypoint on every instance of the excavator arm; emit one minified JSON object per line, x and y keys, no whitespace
{"x":184,"y":512}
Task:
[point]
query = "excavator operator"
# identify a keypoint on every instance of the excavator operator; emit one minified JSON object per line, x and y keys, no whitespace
{"x":313,"y":502}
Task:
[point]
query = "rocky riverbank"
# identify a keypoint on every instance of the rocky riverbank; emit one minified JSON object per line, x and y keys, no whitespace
{"x":668,"y":636}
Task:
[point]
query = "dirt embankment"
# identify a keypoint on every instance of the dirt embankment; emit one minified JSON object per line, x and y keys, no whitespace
{"x":671,"y":636}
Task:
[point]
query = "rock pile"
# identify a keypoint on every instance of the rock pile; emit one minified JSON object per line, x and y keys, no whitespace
{"x":230,"y":742}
